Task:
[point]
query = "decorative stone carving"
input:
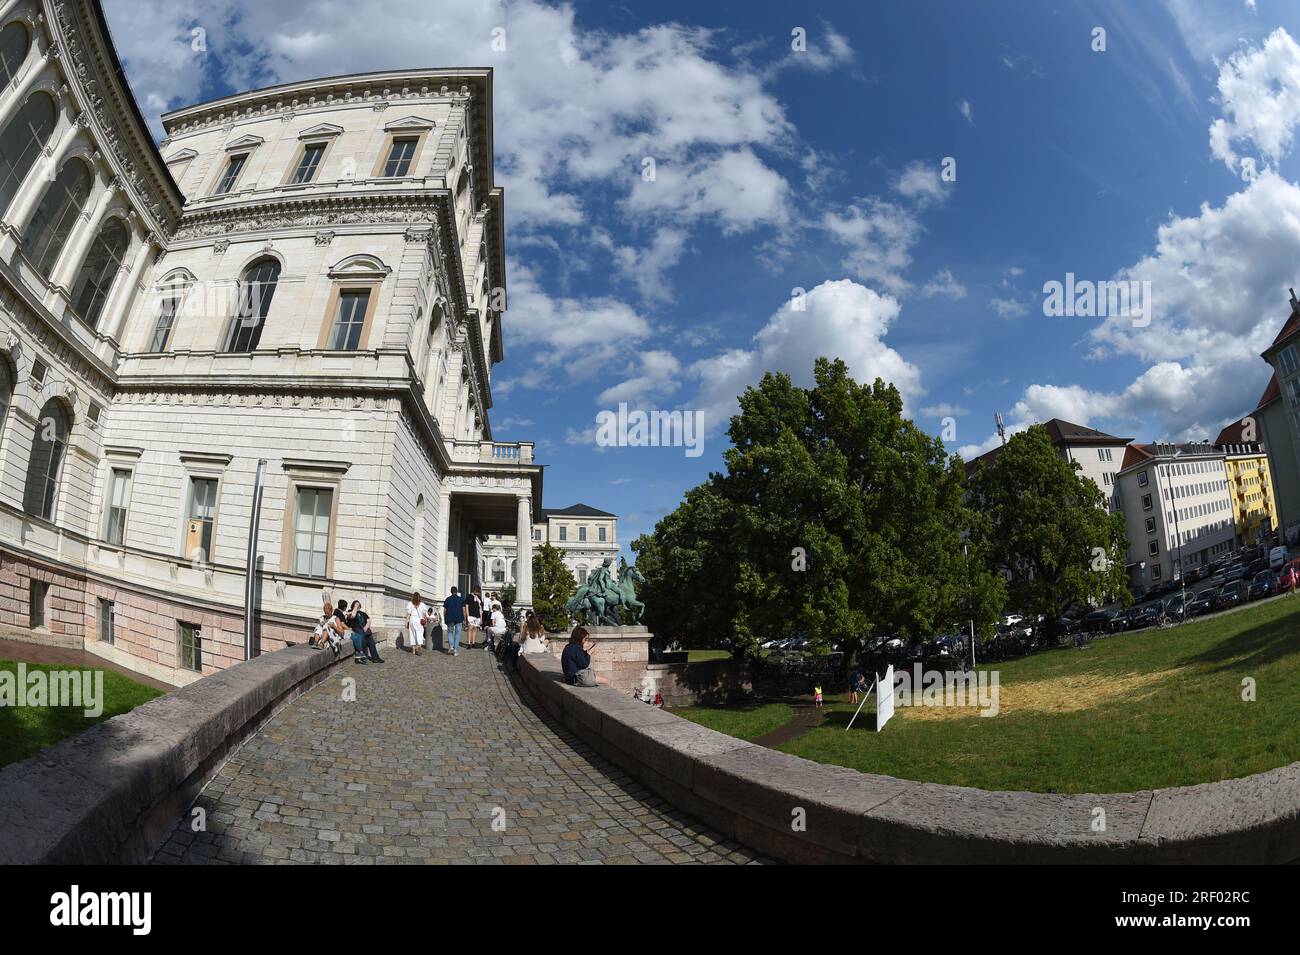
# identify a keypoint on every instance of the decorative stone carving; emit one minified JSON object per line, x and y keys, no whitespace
{"x":324,"y":238}
{"x":219,"y":247}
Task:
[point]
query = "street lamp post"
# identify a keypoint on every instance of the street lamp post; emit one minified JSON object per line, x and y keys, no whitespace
{"x":1178,"y":535}
{"x":250,"y":581}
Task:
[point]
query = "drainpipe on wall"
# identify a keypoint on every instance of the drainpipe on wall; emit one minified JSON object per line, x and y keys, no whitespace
{"x":250,"y":575}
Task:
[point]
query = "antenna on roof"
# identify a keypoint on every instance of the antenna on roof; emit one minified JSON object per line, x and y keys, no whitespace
{"x":1002,"y":428}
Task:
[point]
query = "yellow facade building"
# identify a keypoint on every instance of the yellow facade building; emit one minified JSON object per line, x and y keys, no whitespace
{"x":1250,"y":486}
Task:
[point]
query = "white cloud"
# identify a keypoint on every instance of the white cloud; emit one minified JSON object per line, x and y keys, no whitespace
{"x":824,"y":50}
{"x":647,"y":267}
{"x":1259,"y":93}
{"x":841,"y":319}
{"x":735,"y":188}
{"x":563,"y":339}
{"x":920,"y":180}
{"x":943,"y":284}
{"x":964,"y":108}
{"x":943,"y":410}
{"x":660,"y":374}
{"x":1008,"y":307}
{"x":878,"y":236}
{"x":571,"y":106}
{"x":1219,"y":284}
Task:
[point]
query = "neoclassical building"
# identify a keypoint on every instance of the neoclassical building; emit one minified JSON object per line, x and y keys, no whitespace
{"x":584,"y":536}
{"x":309,"y":278}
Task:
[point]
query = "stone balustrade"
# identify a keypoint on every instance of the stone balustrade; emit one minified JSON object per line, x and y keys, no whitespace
{"x":808,"y":812}
{"x":114,"y":793}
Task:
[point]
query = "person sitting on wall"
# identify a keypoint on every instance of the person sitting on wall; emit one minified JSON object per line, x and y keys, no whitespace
{"x":363,"y":639}
{"x":576,"y":660}
{"x":533,"y":635}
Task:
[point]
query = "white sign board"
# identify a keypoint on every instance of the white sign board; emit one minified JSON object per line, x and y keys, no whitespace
{"x":885,"y":698}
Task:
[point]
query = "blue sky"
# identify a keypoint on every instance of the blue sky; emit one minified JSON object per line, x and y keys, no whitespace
{"x":820,"y":169}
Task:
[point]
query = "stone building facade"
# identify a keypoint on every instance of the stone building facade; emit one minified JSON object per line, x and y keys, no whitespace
{"x":310,"y":276}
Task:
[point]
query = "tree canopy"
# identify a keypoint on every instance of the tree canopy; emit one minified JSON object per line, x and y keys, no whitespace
{"x":553,"y":585}
{"x":1049,"y":526}
{"x":836,"y":517}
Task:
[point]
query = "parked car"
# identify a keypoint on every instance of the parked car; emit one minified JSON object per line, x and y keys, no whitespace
{"x":1068,"y":626}
{"x":1139,"y":594}
{"x":1203,"y":603}
{"x":1235,"y":572}
{"x":1099,"y":621}
{"x":1277,"y":558}
{"x":1288,"y":579}
{"x":1146,"y":616}
{"x":1263,"y":585}
{"x":1174,"y":606}
{"x":1232,"y":594}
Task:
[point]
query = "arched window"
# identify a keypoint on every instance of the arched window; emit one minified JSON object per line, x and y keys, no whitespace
{"x":21,"y":141}
{"x":417,"y":557}
{"x":15,"y":41}
{"x":6,"y":393}
{"x":498,"y":569}
{"x":95,"y":280}
{"x":57,"y":215}
{"x":256,"y":289}
{"x":171,"y":298}
{"x":46,"y":459}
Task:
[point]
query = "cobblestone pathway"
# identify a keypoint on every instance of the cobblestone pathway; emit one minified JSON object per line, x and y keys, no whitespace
{"x":418,"y":768}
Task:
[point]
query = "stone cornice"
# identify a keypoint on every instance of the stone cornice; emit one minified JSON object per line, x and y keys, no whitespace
{"x":310,"y":212}
{"x":118,"y":129}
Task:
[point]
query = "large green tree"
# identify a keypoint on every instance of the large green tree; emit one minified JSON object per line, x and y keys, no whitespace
{"x":553,"y":585}
{"x":1049,"y":527}
{"x":836,"y":516}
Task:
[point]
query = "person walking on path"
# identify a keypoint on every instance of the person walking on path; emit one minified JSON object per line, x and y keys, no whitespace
{"x":473,"y":615}
{"x":417,"y":618}
{"x":855,"y":684}
{"x":454,"y":613}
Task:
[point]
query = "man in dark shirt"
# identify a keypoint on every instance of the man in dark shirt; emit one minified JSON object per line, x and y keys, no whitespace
{"x":453,"y":611}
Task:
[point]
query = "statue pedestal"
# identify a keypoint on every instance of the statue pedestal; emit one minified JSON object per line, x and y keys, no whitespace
{"x":620,"y":654}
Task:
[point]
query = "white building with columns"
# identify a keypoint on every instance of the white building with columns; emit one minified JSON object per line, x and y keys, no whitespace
{"x":310,"y":275}
{"x":584,"y":536}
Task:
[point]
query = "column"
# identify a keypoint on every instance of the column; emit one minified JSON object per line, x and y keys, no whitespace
{"x":524,"y":552}
{"x":25,"y":203}
{"x":120,"y":298}
{"x":74,"y":252}
{"x":442,"y":540}
{"x":15,"y":95}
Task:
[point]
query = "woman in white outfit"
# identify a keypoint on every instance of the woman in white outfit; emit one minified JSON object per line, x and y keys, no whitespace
{"x":417,"y":618}
{"x":534,"y":635}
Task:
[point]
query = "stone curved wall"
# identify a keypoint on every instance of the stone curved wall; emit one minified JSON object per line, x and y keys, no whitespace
{"x":115,"y":792}
{"x":754,"y":795}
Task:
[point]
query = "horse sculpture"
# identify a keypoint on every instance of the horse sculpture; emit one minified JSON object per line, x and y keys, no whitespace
{"x":602,"y":608}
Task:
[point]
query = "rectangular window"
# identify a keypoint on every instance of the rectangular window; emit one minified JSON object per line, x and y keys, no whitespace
{"x":38,"y":373}
{"x":37,"y":595}
{"x":601,"y":532}
{"x":1155,"y":571}
{"x":564,"y":533}
{"x":1151,"y":525}
{"x":191,"y":646}
{"x":1143,"y":481}
{"x":582,"y":577}
{"x":1293,"y":391}
{"x":312,"y":531}
{"x":162,"y":329}
{"x":202,"y":518}
{"x":1153,"y":548}
{"x":1146,"y":502}
{"x":228,"y":178}
{"x":400,"y":155}
{"x":537,"y":533}
{"x":349,"y":320}
{"x":307,"y":165}
{"x":1287,"y":357}
{"x":582,"y":533}
{"x":105,"y":620}
{"x":119,"y":499}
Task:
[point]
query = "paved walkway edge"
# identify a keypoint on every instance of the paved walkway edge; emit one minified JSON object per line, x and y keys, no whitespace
{"x":114,"y":793}
{"x":802,"y":811}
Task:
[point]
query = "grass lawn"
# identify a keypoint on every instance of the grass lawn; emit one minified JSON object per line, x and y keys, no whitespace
{"x":1137,"y":711}
{"x":699,"y":656}
{"x":26,"y":730}
{"x":743,"y":722}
